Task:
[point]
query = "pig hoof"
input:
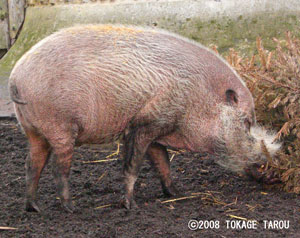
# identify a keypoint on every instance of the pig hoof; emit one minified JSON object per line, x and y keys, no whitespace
{"x":170,"y":191}
{"x":32,"y":207}
{"x":129,"y":204}
{"x":68,"y":206}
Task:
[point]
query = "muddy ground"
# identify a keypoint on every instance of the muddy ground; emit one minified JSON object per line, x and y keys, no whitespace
{"x":218,"y":195}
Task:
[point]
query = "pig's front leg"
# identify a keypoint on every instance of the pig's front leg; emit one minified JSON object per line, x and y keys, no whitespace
{"x":136,"y":144}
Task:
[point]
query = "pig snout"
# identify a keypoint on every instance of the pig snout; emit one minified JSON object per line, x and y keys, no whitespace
{"x":258,"y":173}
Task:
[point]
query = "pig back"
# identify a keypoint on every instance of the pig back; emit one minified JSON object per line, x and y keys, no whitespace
{"x":101,"y":77}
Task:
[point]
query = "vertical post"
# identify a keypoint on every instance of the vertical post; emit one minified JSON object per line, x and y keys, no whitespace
{"x":16,"y":9}
{"x":4,"y":25}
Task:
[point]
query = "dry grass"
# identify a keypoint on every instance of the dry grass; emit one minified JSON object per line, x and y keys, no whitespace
{"x":274,"y":80}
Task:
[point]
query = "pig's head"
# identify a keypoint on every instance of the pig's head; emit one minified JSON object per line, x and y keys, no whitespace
{"x":241,"y":145}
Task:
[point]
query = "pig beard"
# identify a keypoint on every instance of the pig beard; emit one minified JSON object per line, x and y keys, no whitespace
{"x":237,"y":148}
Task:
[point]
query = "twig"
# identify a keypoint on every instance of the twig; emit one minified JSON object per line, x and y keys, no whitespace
{"x":178,"y":199}
{"x":115,"y":153}
{"x":104,"y":206}
{"x":251,"y":208}
{"x":7,"y":228}
{"x":101,"y":177}
{"x":99,"y":161}
{"x":172,"y":157}
{"x":233,"y":203}
{"x":231,"y":210}
{"x":237,"y":217}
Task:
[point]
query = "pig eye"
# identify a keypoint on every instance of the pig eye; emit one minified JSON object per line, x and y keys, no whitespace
{"x":231,"y":97}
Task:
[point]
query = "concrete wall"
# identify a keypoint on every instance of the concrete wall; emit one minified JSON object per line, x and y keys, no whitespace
{"x":187,"y":8}
{"x":12,"y":11}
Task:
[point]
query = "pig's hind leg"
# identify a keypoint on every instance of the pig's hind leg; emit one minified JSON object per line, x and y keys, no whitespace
{"x":159,"y":158}
{"x":61,"y":171}
{"x":36,"y":160}
{"x":62,"y":143}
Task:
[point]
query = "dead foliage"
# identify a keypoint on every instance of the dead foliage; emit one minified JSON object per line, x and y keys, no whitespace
{"x":274,"y":80}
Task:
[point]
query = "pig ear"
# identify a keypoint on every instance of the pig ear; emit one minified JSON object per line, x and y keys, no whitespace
{"x":231,"y":97}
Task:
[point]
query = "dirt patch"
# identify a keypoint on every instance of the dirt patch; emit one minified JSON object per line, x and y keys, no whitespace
{"x":217,"y":196}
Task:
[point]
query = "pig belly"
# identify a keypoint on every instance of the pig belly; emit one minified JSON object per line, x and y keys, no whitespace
{"x":174,"y":140}
{"x":177,"y":141}
{"x":102,"y":132}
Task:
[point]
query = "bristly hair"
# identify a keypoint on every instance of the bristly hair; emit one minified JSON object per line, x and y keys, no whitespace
{"x":238,"y":148}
